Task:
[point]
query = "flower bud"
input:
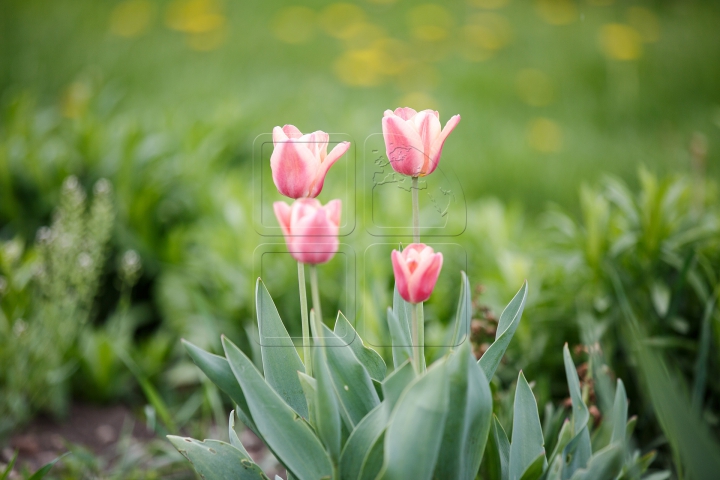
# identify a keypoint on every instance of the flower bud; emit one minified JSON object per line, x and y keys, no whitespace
{"x":416,"y":270}
{"x":311,"y":230}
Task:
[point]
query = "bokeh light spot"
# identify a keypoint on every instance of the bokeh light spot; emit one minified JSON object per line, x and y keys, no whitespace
{"x":360,"y":67}
{"x":294,"y":25}
{"x":75,"y":100}
{"x":430,"y":22}
{"x":620,"y":42}
{"x":557,"y":12}
{"x":544,"y":135}
{"x":131,"y":18}
{"x":645,"y":22}
{"x":339,"y":20}
{"x":488,"y":4}
{"x":364,"y":35}
{"x":483,"y":35}
{"x":534,"y":87}
{"x":195,"y":16}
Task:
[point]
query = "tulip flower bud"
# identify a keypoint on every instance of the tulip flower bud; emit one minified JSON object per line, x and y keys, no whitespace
{"x":416,"y":270}
{"x":311,"y":230}
{"x":414,"y":141}
{"x":300,"y":162}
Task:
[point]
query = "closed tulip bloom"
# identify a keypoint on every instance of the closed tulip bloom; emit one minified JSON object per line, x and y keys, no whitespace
{"x":414,"y":141}
{"x":311,"y":230}
{"x":300,"y":162}
{"x":416,"y":270}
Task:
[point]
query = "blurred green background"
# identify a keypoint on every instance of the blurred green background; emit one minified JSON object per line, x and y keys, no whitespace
{"x":587,"y":152}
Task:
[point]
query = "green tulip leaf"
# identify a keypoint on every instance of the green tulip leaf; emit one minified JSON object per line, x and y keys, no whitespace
{"x":234,"y":439}
{"x":535,"y":470}
{"x":288,"y":436}
{"x":371,"y":360}
{"x":527,"y":438}
{"x":219,"y":372}
{"x":508,"y":323}
{"x":498,"y":457}
{"x":394,"y":385}
{"x":327,"y":410}
{"x":463,"y":315}
{"x":373,"y":462}
{"x":361,"y":440}
{"x":620,"y":412}
{"x":216,"y":460}
{"x":400,"y":335}
{"x":309,"y":386}
{"x":467,"y":427}
{"x":45,"y":469}
{"x":579,"y":449}
{"x":412,"y":442}
{"x":280,"y":360}
{"x":606,"y":463}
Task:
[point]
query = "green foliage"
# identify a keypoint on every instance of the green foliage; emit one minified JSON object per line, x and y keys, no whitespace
{"x":51,"y":296}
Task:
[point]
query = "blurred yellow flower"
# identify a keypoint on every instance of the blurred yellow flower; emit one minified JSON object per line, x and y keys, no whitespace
{"x":430,"y":22}
{"x":645,"y":22}
{"x":620,"y":42}
{"x":484,"y":34}
{"x":131,"y":18}
{"x":293,"y":24}
{"x":419,"y":101}
{"x":339,"y":19}
{"x":557,"y":12}
{"x":363,"y":35}
{"x":534,"y":87}
{"x":544,"y":135}
{"x":195,"y":16}
{"x":488,"y":4}
{"x":75,"y":100}
{"x":360,"y":67}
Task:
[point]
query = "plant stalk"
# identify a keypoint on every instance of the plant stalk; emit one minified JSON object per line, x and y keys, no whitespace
{"x":418,"y":337}
{"x":315,"y":291}
{"x":305,"y":323}
{"x":416,"y":209}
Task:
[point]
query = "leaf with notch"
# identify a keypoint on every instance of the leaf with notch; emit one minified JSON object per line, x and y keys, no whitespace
{"x":216,"y":460}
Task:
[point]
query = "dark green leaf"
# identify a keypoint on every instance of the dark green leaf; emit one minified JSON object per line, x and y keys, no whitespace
{"x":361,"y":440}
{"x":535,"y":470}
{"x":606,"y":463}
{"x":291,"y":439}
{"x":527,"y":438}
{"x":281,"y":361}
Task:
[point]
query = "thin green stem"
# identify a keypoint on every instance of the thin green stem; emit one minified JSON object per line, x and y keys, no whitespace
{"x":416,"y":209}
{"x":315,"y":291}
{"x":420,"y":318}
{"x":305,"y":323}
{"x":415,"y":338}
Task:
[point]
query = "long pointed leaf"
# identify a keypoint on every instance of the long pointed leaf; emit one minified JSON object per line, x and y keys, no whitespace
{"x":498,"y":457}
{"x":400,"y":335}
{"x":394,"y":385}
{"x":578,"y":449}
{"x":527,"y":438}
{"x":361,"y":440}
{"x":234,"y":439}
{"x":463,"y":315}
{"x":327,"y":409}
{"x":288,"y":436}
{"x":216,"y":460}
{"x":508,"y":323}
{"x":281,"y":361}
{"x":371,"y":360}
{"x":620,"y":412}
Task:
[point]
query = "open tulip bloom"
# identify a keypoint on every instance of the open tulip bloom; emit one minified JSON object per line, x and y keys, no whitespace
{"x":300,"y":162}
{"x":414,"y":140}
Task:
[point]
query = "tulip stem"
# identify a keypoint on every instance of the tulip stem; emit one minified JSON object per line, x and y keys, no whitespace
{"x":305,"y":322}
{"x":416,"y":209}
{"x":315,"y":291}
{"x":418,"y":336}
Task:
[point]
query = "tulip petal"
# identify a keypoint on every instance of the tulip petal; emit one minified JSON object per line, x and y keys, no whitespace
{"x":436,"y":148}
{"x":402,"y":275}
{"x":403,"y":146}
{"x":425,"y":276}
{"x":428,"y":126}
{"x":325,"y":165}
{"x":406,"y":113}
{"x":278,"y":136}
{"x":317,"y":143}
{"x":333,"y":209}
{"x":283,"y":212}
{"x":292,"y":131}
{"x":293,"y":168}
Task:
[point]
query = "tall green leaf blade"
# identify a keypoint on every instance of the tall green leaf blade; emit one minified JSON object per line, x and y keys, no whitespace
{"x":467,"y":427}
{"x":498,"y":456}
{"x":219,"y":372}
{"x":361,"y":440}
{"x":400,"y":335}
{"x":508,"y":323}
{"x":286,"y":434}
{"x":216,"y":460}
{"x":606,"y":463}
{"x":45,"y":469}
{"x":327,"y":409}
{"x":535,"y":469}
{"x":234,"y":439}
{"x":281,"y":361}
{"x":527,"y":438}
{"x":373,"y":462}
{"x":620,"y":413}
{"x":352,"y":381}
{"x":370,"y":359}
{"x":463,"y":315}
{"x":578,"y":449}
{"x":309,"y":386}
{"x":412,"y":439}
{"x":576,"y":453}
{"x":394,"y":385}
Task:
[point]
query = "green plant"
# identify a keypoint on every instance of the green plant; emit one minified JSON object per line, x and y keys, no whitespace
{"x":48,"y":299}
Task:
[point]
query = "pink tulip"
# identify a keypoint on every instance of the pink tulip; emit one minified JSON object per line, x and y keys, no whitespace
{"x":311,"y":230}
{"x":414,"y":141}
{"x":300,"y":162}
{"x":416,"y":270}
